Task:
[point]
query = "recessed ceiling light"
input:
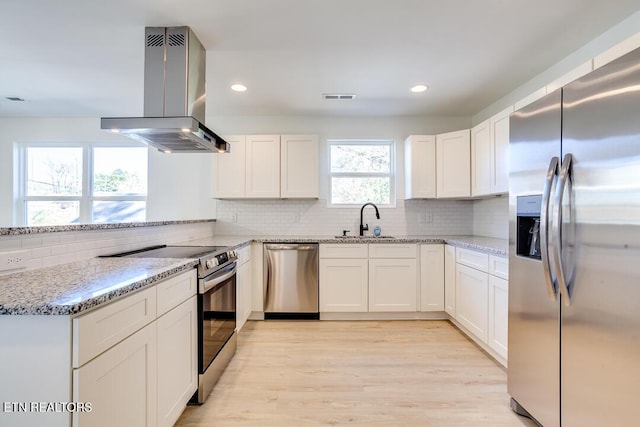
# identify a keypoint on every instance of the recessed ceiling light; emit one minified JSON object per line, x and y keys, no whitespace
{"x":238,"y":87}
{"x":419,"y":88}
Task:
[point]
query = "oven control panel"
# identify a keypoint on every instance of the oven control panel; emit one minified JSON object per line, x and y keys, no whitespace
{"x":221,"y":258}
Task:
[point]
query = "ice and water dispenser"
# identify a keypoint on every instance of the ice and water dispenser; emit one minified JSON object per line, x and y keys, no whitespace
{"x":528,"y":226}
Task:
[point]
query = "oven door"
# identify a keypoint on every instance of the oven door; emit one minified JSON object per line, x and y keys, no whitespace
{"x":217,"y":312}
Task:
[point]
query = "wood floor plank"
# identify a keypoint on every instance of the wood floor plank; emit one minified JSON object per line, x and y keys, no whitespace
{"x":363,"y":373}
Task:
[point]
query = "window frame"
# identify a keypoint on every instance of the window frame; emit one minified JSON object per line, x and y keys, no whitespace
{"x":86,"y":198}
{"x":391,"y":174}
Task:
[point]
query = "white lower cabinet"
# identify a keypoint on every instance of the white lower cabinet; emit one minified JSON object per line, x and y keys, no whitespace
{"x":392,"y":284}
{"x":146,"y":371}
{"x":477,"y":298}
{"x":344,"y":285}
{"x":450,"y":280}
{"x":498,"y":315}
{"x":120,"y":384}
{"x":432,"y":277}
{"x":243,"y":287}
{"x":472,"y":300}
{"x":177,"y":360}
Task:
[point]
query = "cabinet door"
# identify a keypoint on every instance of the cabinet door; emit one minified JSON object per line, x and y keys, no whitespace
{"x":420,"y":167}
{"x":299,"y":162}
{"x":450,"y":280}
{"x":498,"y":315}
{"x":263,"y":166}
{"x":500,"y":152}
{"x":343,"y":285}
{"x":243,"y":293}
{"x":481,"y":173}
{"x":177,"y":360}
{"x":392,"y":285}
{"x":431,"y":277}
{"x":120,"y":384}
{"x":453,"y":153}
{"x":471,"y":300}
{"x":229,"y":170}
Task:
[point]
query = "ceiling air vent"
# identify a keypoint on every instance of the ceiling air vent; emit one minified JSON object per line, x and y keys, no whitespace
{"x":339,"y":95}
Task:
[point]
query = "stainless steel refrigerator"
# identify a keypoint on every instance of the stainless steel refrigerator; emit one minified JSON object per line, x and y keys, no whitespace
{"x":574,"y":252}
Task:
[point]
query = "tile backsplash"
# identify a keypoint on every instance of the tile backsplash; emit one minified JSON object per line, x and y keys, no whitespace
{"x":46,"y":249}
{"x":314,"y":217}
{"x":491,"y":217}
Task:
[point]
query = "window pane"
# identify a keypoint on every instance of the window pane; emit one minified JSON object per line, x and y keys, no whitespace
{"x":54,"y":171}
{"x":119,"y":211}
{"x":360,"y":158}
{"x":360,"y":190}
{"x":120,"y":171}
{"x":53,"y":213}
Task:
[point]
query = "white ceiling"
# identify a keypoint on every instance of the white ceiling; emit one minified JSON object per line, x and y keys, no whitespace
{"x":86,"y":58}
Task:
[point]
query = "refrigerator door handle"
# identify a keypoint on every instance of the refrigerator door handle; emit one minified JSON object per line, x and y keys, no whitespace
{"x":552,"y":172}
{"x":565,"y":175}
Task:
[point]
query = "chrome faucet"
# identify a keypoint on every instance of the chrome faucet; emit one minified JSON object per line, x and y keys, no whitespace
{"x":363,"y":228}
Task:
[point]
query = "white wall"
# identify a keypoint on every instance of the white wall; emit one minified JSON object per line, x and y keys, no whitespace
{"x":179,"y":185}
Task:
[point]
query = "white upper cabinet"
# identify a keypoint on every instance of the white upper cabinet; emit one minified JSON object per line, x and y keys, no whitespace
{"x":229,"y":169}
{"x":481,"y":174}
{"x":263,"y":166}
{"x":299,"y":158}
{"x":499,"y":131}
{"x":420,"y":167}
{"x":453,"y":154}
{"x":267,"y":167}
{"x":490,"y":155}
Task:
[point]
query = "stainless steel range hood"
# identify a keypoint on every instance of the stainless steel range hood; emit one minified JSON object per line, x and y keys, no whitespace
{"x":174,"y":96}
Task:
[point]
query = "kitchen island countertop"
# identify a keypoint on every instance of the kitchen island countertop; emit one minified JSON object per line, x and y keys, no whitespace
{"x":75,"y":287}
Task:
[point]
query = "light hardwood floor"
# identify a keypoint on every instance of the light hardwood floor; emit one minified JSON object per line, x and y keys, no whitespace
{"x":382,"y":373}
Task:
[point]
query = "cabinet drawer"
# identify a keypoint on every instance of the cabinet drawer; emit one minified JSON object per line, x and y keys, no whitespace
{"x":343,"y":251}
{"x":499,"y":266}
{"x":392,"y":250}
{"x":98,"y":330}
{"x":473,"y":259}
{"x":244,"y":254}
{"x":173,"y":291}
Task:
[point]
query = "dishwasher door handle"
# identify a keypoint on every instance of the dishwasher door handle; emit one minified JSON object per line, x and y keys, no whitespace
{"x":291,"y":247}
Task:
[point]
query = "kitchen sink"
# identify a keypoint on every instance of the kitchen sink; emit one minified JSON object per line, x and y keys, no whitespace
{"x":365,"y":237}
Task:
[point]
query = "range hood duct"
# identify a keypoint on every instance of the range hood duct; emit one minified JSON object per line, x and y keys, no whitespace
{"x":174,"y":96}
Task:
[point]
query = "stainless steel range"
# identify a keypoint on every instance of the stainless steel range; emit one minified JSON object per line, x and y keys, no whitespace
{"x":217,"y":339}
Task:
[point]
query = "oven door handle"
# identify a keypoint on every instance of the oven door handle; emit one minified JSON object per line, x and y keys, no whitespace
{"x":218,"y":277}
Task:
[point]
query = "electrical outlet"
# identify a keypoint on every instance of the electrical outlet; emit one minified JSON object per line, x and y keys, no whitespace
{"x":234,"y":217}
{"x":12,"y":260}
{"x":428,"y":217}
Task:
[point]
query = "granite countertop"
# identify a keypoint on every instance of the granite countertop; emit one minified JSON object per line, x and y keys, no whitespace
{"x":78,"y":286}
{"x":72,"y":288}
{"x":13,"y":231}
{"x":488,"y":245}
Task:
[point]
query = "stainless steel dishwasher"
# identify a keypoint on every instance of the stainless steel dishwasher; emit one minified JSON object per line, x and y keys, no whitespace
{"x":291,"y":281}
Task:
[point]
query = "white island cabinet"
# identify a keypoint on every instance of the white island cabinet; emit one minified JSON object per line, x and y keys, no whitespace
{"x":130,"y":362}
